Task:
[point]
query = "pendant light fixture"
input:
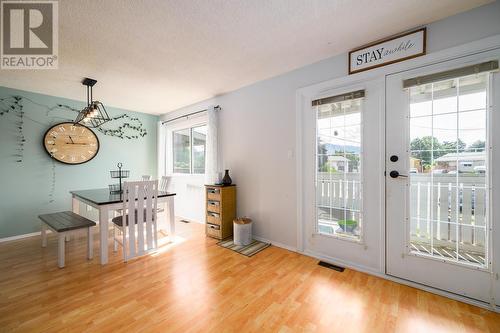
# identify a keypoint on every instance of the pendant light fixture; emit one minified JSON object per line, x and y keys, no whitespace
{"x":94,"y":114}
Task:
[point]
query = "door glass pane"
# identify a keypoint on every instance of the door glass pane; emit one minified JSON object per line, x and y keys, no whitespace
{"x":448,"y":170}
{"x":199,"y":147}
{"x":182,"y":150}
{"x":338,"y":174}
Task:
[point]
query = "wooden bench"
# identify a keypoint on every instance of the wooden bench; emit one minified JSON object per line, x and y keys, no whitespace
{"x":64,"y":223}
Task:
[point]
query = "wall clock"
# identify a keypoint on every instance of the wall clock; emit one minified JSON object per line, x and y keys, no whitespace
{"x":71,"y":143}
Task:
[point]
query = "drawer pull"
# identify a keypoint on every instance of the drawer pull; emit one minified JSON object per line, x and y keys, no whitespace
{"x":214,"y":191}
{"x":214,"y":203}
{"x":213,"y":226}
{"x":213,"y":214}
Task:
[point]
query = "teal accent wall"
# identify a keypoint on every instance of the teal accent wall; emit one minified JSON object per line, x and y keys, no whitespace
{"x":25,"y":187}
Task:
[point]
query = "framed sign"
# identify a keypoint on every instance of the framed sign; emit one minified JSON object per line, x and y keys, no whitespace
{"x":388,"y":51}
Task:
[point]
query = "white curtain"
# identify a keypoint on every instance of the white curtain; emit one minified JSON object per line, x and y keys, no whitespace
{"x":211,"y":157}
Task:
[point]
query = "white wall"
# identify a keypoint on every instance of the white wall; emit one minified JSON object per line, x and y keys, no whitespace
{"x":258,"y":128}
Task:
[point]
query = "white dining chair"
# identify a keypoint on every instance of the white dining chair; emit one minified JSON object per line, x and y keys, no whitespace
{"x":163,"y":225}
{"x":136,"y":230}
{"x":118,"y":212}
{"x":165,"y":181}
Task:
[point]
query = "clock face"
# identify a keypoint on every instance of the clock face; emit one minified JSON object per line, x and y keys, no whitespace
{"x":71,"y":143}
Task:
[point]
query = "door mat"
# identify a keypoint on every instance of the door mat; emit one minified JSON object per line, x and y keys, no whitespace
{"x":248,"y":250}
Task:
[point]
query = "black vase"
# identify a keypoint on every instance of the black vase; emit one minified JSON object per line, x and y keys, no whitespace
{"x":226,"y":180}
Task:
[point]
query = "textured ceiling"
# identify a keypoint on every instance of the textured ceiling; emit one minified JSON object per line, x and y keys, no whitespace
{"x":155,"y":56}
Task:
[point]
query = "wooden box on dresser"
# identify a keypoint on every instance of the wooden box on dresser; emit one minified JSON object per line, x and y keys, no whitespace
{"x":220,"y":210}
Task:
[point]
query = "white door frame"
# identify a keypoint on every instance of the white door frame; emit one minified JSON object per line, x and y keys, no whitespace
{"x":469,"y":281}
{"x":365,"y":253}
{"x":304,"y":97}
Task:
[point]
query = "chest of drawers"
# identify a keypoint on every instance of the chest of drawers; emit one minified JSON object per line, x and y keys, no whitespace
{"x":220,"y":210}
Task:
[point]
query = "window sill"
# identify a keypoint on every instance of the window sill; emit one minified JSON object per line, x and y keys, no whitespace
{"x":186,"y":175}
{"x":359,"y":241}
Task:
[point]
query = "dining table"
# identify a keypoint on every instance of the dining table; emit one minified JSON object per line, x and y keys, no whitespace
{"x":105,"y":202}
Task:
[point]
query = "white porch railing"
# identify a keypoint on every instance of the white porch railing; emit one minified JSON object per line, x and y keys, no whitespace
{"x":339,"y":191}
{"x":444,"y":211}
{"x":449,"y":209}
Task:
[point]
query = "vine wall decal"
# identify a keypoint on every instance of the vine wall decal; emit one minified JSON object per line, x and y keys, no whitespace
{"x":120,"y":132}
{"x":131,"y":128}
{"x":13,"y":105}
{"x":53,"y":183}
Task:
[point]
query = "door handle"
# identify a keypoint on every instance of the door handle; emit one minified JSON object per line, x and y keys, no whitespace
{"x":395,"y":174}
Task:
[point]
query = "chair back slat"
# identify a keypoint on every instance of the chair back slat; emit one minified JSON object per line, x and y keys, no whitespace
{"x":165,"y":181}
{"x":129,"y":219}
{"x":141,"y":188}
{"x":154,"y":217}
{"x":149,"y":217}
{"x":139,"y":207}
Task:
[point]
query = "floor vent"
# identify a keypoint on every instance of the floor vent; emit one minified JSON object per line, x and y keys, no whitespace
{"x":184,"y":221}
{"x":331,"y":266}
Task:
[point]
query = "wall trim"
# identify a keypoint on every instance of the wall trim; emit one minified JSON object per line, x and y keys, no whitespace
{"x":368,"y":270}
{"x":299,"y":101}
{"x":18,"y":237}
{"x":382,"y":275}
{"x":280,"y":245}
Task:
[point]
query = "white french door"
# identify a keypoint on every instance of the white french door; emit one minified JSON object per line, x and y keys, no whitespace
{"x":342,"y":144}
{"x":439,"y":183}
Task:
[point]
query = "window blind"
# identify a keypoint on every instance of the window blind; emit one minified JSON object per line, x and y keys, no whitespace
{"x":339,"y":98}
{"x":451,"y":74}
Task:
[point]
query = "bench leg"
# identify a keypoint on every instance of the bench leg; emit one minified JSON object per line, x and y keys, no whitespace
{"x":90,"y":243}
{"x":44,"y":235}
{"x":60,"y":257}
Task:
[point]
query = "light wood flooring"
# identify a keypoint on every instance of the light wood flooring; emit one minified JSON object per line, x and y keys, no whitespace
{"x":196,"y":286}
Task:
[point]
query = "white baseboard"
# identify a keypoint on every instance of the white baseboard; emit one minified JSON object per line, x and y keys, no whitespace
{"x":343,"y":263}
{"x":283,"y":246}
{"x":37,"y":233}
{"x":13,"y":238}
{"x":377,"y":273}
{"x":371,"y":271}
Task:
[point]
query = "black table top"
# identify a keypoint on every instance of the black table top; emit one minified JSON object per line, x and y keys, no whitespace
{"x":101,"y":196}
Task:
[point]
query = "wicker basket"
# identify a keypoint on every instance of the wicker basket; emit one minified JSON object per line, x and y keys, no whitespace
{"x":120,"y":173}
{"x":115,"y":189}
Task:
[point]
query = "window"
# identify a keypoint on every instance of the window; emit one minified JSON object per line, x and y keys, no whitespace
{"x":189,"y":146}
{"x":199,"y":139}
{"x":448,"y":191}
{"x":182,"y":151}
{"x":338,"y":161}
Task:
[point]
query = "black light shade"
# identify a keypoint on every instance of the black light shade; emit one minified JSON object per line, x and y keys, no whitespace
{"x":94,"y":114}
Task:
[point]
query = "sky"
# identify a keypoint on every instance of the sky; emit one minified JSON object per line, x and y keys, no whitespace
{"x":438,"y":118}
{"x":441,"y":119}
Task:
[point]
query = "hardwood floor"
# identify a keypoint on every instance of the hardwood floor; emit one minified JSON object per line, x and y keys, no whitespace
{"x":196,"y":286}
